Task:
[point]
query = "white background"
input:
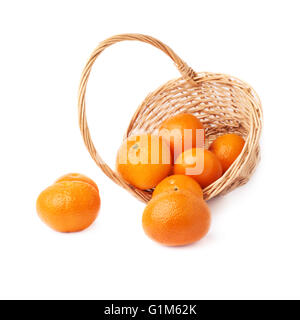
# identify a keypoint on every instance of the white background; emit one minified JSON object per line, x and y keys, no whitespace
{"x":252,"y":250}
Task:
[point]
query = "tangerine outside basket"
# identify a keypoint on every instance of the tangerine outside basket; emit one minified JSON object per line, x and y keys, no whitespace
{"x":224,"y":104}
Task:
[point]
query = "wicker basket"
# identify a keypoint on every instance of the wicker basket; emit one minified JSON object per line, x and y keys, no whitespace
{"x":223,"y":103}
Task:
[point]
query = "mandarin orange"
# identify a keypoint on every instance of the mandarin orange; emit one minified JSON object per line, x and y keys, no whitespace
{"x":77,"y":177}
{"x":144,"y":160}
{"x":200,"y":164}
{"x":176,"y":218}
{"x":183,"y":131}
{"x":227,"y":148}
{"x":178,"y":183}
{"x":69,"y":206}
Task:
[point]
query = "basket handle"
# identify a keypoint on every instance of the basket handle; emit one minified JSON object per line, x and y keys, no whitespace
{"x":187,"y":73}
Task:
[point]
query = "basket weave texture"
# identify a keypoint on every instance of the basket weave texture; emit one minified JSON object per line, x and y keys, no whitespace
{"x":224,"y":104}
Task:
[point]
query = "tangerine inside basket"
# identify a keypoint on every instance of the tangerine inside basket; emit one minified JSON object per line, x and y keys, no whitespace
{"x":224,"y":104}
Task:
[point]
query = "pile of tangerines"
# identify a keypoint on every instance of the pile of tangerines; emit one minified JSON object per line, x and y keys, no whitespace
{"x":173,"y":163}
